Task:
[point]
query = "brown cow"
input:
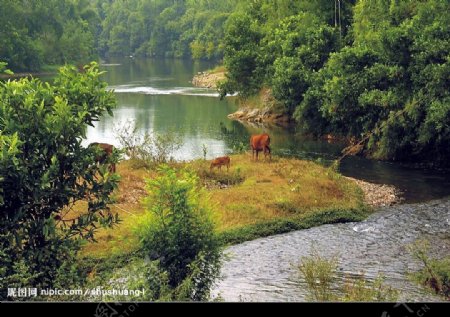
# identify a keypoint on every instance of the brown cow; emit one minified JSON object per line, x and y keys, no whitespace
{"x":218,"y":162}
{"x":258,"y":143}
{"x":107,"y":150}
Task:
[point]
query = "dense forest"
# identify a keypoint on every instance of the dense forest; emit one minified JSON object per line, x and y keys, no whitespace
{"x":375,"y":72}
{"x":175,"y":28}
{"x":34,"y":34}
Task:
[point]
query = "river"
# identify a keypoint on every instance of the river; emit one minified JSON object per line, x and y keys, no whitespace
{"x":158,"y":96}
{"x":266,"y":269}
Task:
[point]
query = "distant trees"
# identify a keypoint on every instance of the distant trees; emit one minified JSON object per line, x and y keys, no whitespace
{"x":367,"y":70}
{"x":36,"y":33}
{"x":192,"y":28}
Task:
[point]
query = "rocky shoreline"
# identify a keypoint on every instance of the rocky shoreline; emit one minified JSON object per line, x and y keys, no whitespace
{"x":379,"y":195}
{"x":207,"y":79}
{"x":263,"y":108}
{"x":265,"y":114}
{"x":246,"y":113}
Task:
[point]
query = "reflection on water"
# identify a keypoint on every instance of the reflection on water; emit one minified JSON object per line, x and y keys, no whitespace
{"x":158,"y":96}
{"x":265,"y":269}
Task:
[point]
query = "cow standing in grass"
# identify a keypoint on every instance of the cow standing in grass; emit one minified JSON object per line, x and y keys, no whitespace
{"x":258,"y":143}
{"x":105,"y":151}
{"x":218,"y":162}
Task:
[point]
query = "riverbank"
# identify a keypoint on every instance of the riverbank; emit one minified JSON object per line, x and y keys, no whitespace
{"x":264,"y":115}
{"x":209,"y":79}
{"x":379,"y":195}
{"x":48,"y":70}
{"x":253,"y":199}
{"x":261,"y":108}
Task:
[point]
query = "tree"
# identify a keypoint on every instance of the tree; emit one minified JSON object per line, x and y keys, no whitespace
{"x":241,"y":56}
{"x":45,"y":171}
{"x":305,"y":47}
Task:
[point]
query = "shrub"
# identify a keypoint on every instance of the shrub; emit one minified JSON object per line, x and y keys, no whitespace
{"x":361,"y":290}
{"x":323,"y":284}
{"x":220,"y":178}
{"x":45,"y":170}
{"x":319,"y":275}
{"x":136,"y":275}
{"x":436,"y":272}
{"x":179,"y":232}
{"x":146,"y":150}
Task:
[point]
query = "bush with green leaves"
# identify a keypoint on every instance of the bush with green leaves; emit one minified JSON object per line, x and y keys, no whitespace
{"x":319,"y":275}
{"x":305,"y":46}
{"x":179,"y":233}
{"x":435,"y":273}
{"x":45,"y":170}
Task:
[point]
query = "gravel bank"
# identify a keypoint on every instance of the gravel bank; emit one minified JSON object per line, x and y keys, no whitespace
{"x":379,"y":195}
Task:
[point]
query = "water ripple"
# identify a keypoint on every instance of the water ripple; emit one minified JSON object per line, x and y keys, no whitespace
{"x":265,"y":269}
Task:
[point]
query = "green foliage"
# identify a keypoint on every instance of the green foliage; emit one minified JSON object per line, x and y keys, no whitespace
{"x":192,"y":28}
{"x":379,"y":73}
{"x":150,"y":280}
{"x":435,"y":273}
{"x":179,"y":233}
{"x":216,"y":178}
{"x":3,"y":68}
{"x":241,"y":56}
{"x":297,"y":222}
{"x":319,"y":275}
{"x":358,"y":90}
{"x":137,"y":275}
{"x":361,"y":290}
{"x":45,"y":170}
{"x":35,"y":33}
{"x":305,"y":45}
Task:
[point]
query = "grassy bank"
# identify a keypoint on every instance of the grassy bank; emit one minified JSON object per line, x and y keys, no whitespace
{"x":251,"y":200}
{"x":210,"y":78}
{"x":46,"y":70}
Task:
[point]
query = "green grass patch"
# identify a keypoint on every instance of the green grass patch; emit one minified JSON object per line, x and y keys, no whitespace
{"x":304,"y":221}
{"x":251,"y":200}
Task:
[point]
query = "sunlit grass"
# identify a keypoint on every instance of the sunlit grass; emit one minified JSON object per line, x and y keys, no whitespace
{"x":249,"y":194}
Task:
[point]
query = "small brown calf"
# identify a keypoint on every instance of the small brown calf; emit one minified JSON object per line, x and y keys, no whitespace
{"x":102,"y":157}
{"x":219,"y":161}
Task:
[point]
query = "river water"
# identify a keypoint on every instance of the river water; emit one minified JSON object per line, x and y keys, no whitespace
{"x":266,"y":269}
{"x":158,"y":96}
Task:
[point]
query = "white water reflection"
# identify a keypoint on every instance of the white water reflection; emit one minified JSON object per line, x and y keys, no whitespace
{"x":148,"y":90}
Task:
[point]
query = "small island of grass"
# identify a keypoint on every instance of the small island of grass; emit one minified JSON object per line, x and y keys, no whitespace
{"x":251,"y":200}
